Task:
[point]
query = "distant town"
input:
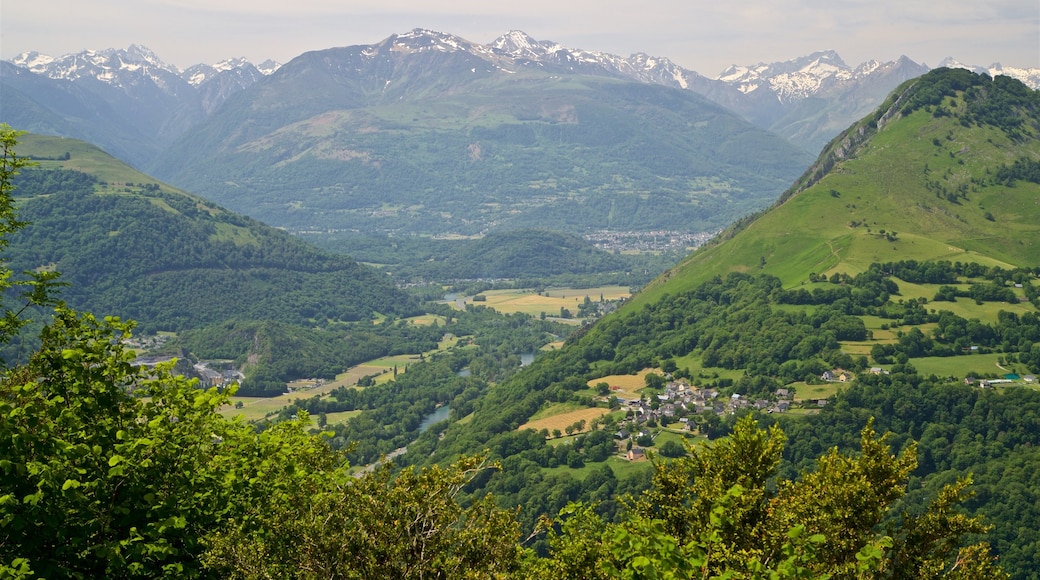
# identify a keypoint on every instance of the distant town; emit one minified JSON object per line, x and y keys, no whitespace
{"x":655,"y":241}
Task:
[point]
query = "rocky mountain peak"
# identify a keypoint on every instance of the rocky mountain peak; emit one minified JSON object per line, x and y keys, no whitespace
{"x":518,"y":44}
{"x":422,"y":39}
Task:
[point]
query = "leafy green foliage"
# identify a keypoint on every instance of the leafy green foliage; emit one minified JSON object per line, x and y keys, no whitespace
{"x":35,"y":288}
{"x":383,"y":525}
{"x":712,"y":514}
{"x":114,"y":470}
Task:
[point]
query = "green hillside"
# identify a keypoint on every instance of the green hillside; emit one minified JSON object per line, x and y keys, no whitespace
{"x":920,"y":179}
{"x":134,"y":247}
{"x":904,"y":260}
{"x":130,"y":246}
{"x":752,"y":473}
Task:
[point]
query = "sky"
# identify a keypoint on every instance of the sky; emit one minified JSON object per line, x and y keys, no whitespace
{"x":704,"y":36}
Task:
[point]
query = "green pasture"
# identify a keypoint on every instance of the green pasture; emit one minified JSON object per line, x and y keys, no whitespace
{"x":959,"y":367}
{"x":876,"y":207}
{"x":622,"y":468}
{"x":806,"y":392}
{"x":339,"y":417}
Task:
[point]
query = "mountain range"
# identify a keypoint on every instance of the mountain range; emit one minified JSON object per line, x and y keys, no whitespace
{"x":777,"y":86}
{"x":426,"y":133}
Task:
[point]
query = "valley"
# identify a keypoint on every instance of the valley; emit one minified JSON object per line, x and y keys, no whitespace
{"x":892,"y":287}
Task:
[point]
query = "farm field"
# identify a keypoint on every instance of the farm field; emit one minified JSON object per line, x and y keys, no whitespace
{"x":803,"y":391}
{"x":564,"y":419}
{"x":621,"y":467}
{"x":550,"y":302}
{"x":624,"y":386}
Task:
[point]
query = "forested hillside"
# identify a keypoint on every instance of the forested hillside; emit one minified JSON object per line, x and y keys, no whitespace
{"x":129,"y":246}
{"x":174,"y":262}
{"x":904,"y":261}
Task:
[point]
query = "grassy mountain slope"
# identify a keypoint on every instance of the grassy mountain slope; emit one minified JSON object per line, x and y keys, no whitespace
{"x":948,"y":290}
{"x":132,"y":246}
{"x":915,"y":180}
{"x":444,"y":142}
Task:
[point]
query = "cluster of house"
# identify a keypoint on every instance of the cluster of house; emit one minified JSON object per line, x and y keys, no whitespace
{"x":210,"y":377}
{"x":683,"y":401}
{"x":148,"y":343}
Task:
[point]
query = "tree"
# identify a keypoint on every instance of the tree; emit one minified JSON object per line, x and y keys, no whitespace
{"x":712,"y":514}
{"x":654,"y":380}
{"x":37,"y":287}
{"x":382,"y":525}
{"x":108,"y":469}
{"x":672,"y":449}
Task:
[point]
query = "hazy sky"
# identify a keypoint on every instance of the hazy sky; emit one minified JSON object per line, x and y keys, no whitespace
{"x":705,"y":36}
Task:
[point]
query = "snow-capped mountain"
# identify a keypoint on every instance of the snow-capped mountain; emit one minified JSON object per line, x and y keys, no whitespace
{"x":524,"y":50}
{"x":1029,"y":76}
{"x":104,"y":65}
{"x":798,"y":78}
{"x":125,"y":67}
{"x":128,"y":92}
{"x":807,"y":100}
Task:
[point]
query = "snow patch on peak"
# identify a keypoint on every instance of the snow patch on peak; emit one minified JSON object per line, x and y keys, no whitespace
{"x":422,"y":39}
{"x":867,"y":67}
{"x":516,"y":42}
{"x":1028,"y":76}
{"x":268,"y":66}
{"x":800,"y":78}
{"x":230,"y":64}
{"x":34,"y":61}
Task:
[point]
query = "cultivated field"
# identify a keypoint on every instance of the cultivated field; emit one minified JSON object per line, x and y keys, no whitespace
{"x":550,"y":302}
{"x":624,"y":386}
{"x":565,"y":419}
{"x":961,"y":366}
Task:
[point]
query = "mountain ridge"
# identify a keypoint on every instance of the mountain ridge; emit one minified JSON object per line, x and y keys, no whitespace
{"x":946,"y":200}
{"x":764,"y":93}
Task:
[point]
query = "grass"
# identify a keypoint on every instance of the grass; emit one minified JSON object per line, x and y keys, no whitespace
{"x":624,"y":386}
{"x":807,"y":392}
{"x":844,"y":222}
{"x":340,"y":417}
{"x":426,"y":319}
{"x":962,"y":366}
{"x":621,"y":467}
